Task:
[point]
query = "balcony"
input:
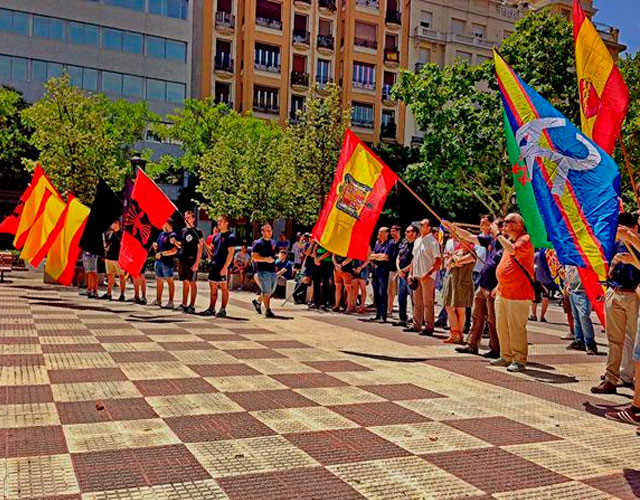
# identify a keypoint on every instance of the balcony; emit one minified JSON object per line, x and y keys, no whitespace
{"x":225,"y":21}
{"x":386,"y":94}
{"x":223,"y":62}
{"x":329,"y":5}
{"x":359,"y":85}
{"x":271,"y":23}
{"x":322,"y":82}
{"x":388,"y":131}
{"x":392,"y":56}
{"x":270,"y":68}
{"x":305,"y":4}
{"x":366,"y":43}
{"x":368,"y":4}
{"x":362,"y":124}
{"x":266,"y":107}
{"x":326,"y":42}
{"x":417,"y":141}
{"x":461,"y":38}
{"x":393,"y":18}
{"x":299,"y":79}
{"x":301,"y":37}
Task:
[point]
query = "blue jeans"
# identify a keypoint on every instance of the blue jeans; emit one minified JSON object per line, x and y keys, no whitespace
{"x":268,"y":282}
{"x":380,"y":291}
{"x":162,"y":270}
{"x":403,"y":293}
{"x":581,"y":309}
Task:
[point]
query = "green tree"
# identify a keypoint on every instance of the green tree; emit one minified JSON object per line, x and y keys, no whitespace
{"x":464,"y":166}
{"x":314,"y":145}
{"x":630,"y":69}
{"x":14,"y":140}
{"x":82,"y":137}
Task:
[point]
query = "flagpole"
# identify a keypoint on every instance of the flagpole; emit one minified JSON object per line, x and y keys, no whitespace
{"x":627,"y":162}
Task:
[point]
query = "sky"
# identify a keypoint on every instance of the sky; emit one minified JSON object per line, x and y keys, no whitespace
{"x":623,"y":14}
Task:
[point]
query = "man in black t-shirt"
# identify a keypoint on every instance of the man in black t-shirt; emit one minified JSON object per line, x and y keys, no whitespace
{"x":191,"y":245}
{"x":112,"y":240}
{"x":263,"y":254}
{"x":166,"y":250}
{"x":403,"y":265}
{"x":223,"y":247}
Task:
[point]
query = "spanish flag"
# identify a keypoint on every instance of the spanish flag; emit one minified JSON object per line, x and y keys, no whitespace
{"x":33,"y":205}
{"x":35,"y":247}
{"x":604,"y":97}
{"x":360,"y":188}
{"x":63,"y":243}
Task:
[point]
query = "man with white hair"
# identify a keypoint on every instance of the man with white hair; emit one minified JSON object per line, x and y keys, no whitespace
{"x":514,"y":292}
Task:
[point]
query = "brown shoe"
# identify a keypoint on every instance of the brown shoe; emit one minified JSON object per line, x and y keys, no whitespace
{"x":454,"y":339}
{"x":468,"y":349}
{"x":605,"y":387}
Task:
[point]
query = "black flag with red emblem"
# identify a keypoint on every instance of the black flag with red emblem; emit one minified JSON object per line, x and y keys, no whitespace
{"x":147,"y":211}
{"x":105,"y":210}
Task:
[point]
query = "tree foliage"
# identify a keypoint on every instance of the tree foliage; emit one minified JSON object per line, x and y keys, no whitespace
{"x":630,"y":69}
{"x":82,"y":137}
{"x":14,"y":140}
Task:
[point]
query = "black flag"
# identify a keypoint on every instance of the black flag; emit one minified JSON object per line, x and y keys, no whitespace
{"x":106,"y":209}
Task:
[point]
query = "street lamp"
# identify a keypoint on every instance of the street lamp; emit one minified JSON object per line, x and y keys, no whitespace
{"x":137,"y":162}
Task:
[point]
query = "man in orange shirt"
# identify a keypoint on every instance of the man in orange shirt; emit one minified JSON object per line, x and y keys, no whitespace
{"x":514,"y":292}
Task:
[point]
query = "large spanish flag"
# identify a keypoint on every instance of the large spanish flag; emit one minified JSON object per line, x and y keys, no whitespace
{"x":604,"y":97}
{"x":35,"y":247}
{"x":64,"y":242}
{"x":360,"y":188}
{"x":34,"y":203}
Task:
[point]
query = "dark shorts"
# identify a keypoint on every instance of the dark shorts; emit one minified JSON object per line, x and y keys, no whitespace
{"x":185,"y":273}
{"x":214,"y":274}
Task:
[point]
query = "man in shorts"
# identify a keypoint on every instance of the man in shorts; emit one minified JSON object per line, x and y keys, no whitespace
{"x":112,"y":240}
{"x":223,"y":247}
{"x":90,"y":264}
{"x":165,"y":247}
{"x":263,"y":253}
{"x":191,"y":246}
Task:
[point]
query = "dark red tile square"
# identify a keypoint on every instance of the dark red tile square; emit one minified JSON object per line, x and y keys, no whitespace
{"x":32,"y":441}
{"x":192,"y":429}
{"x":270,"y":400}
{"x":222,"y":337}
{"x":224,"y":370}
{"x":21,"y":359}
{"x":78,"y":375}
{"x":55,"y":348}
{"x":284,"y":344}
{"x":501,"y":431}
{"x":25,"y":394}
{"x":345,"y":446}
{"x":48,"y":332}
{"x":162,"y":331}
{"x":624,"y":485}
{"x":400,"y":392}
{"x":250,"y":331}
{"x":308,"y":380}
{"x":254,"y":353}
{"x":314,"y":483}
{"x":169,"y":464}
{"x":337,"y":366}
{"x":107,"y":470}
{"x":373,"y":414}
{"x":19,"y":340}
{"x":494,"y":470}
{"x":187,"y":346}
{"x":122,"y":339}
{"x":170,"y":387}
{"x":141,"y":356}
{"x":84,"y":412}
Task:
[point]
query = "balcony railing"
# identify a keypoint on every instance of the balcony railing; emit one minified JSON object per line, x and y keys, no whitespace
{"x":364,"y":85}
{"x":265,"y":107}
{"x":361,"y":123}
{"x":300,"y":79}
{"x":371,"y":4}
{"x":417,"y":141}
{"x":393,"y":17}
{"x":386,"y":92}
{"x":224,"y":62}
{"x":326,"y":41}
{"x":225,"y":19}
{"x":274,"y":24}
{"x":224,"y":99}
{"x":442,"y":37}
{"x":365,"y":42}
{"x":301,"y":37}
{"x":388,"y":130}
{"x":307,"y":2}
{"x":327,"y":4}
{"x":392,"y":55}
{"x":323,"y":81}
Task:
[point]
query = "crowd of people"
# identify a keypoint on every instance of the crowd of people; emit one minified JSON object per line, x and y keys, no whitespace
{"x":492,"y":283}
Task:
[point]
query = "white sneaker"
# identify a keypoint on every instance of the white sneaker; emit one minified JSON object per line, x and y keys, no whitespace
{"x":169,"y":305}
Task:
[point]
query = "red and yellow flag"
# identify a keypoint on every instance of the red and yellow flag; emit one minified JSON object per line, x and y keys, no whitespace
{"x":360,"y":188}
{"x":34,"y":204}
{"x":604,"y":97}
{"x":63,"y":243}
{"x":35,"y":249}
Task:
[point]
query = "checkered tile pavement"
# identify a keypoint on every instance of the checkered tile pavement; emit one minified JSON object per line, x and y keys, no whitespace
{"x":110,"y":400}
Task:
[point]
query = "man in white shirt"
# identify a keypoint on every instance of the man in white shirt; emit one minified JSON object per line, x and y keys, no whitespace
{"x":426,"y":261}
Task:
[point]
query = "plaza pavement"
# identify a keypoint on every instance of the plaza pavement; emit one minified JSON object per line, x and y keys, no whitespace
{"x":109,"y":400}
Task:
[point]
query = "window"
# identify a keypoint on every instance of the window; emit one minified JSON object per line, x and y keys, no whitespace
{"x":176,"y":92}
{"x":13,"y":68}
{"x":362,"y":115}
{"x":112,"y":83}
{"x":297,"y":102}
{"x":176,"y":51}
{"x":156,"y":90}
{"x":89,"y":79}
{"x":458,"y":26}
{"x":364,"y":75}
{"x":14,"y":22}
{"x":265,"y":99}
{"x":75,"y":74}
{"x":479,"y":31}
{"x":424,"y":56}
{"x":41,"y":71}
{"x":390,"y":41}
{"x":323,"y":72}
{"x":127,"y":4}
{"x":133,"y":86}
{"x":482,"y":59}
{"x":222,"y":93}
{"x":5,"y":67}
{"x":155,"y":47}
{"x":111,"y":39}
{"x":324,"y":27}
{"x":131,"y":42}
{"x":48,"y":27}
{"x":267,"y":57}
{"x":426,"y":18}
{"x":177,"y":9}
{"x":465,"y":56}
{"x":83,"y":34}
{"x":366,"y":35}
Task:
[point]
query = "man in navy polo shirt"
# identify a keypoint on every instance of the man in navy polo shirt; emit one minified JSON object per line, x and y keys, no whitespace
{"x":263,"y":253}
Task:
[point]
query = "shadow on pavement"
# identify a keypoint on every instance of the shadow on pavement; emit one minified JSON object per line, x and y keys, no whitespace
{"x":78,"y":307}
{"x":633,"y":478}
{"x":550,"y":378}
{"x":600,"y":410}
{"x":382,"y":357}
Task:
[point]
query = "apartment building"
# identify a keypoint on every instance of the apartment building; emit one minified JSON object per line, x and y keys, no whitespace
{"x":131,"y":49}
{"x":263,"y":55}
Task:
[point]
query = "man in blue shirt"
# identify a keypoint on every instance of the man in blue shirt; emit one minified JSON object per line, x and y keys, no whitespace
{"x":166,"y":250}
{"x":621,"y":309}
{"x":284,"y":267}
{"x":263,"y":253}
{"x":381,"y":260}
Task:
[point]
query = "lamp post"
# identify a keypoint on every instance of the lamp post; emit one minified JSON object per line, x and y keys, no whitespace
{"x":137,"y":162}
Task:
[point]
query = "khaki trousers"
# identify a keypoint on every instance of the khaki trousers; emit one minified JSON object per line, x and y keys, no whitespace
{"x":483,"y":312}
{"x":391,"y":291}
{"x":511,"y":323}
{"x":424,"y":299}
{"x":621,"y":320}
